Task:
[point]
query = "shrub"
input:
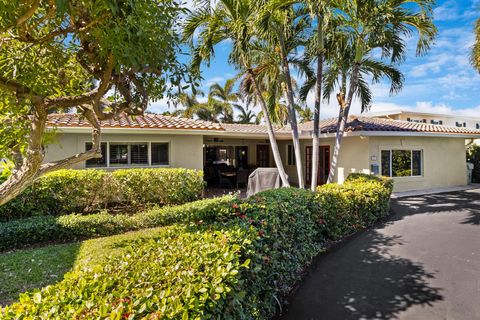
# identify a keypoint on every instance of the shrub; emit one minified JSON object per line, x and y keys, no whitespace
{"x":240,"y":266}
{"x":361,"y":200}
{"x":363,"y":177}
{"x":138,"y":187}
{"x":86,"y":191}
{"x":181,"y":273}
{"x":46,"y":229}
{"x":59,"y":192}
{"x":473,"y":156}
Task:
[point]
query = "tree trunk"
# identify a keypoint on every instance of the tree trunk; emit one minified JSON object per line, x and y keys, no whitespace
{"x":292,"y":114}
{"x":271,"y":133}
{"x":25,"y":175}
{"x":342,"y":120}
{"x":318,"y":99}
{"x":32,"y":167}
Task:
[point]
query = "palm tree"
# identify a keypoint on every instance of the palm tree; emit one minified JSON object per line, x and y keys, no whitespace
{"x":475,"y":57}
{"x":232,"y":20}
{"x":305,"y":113}
{"x":246,"y":115}
{"x":223,"y":99}
{"x":369,"y":25}
{"x":283,"y":28}
{"x":321,"y":12}
{"x":190,"y":104}
{"x":272,"y":92}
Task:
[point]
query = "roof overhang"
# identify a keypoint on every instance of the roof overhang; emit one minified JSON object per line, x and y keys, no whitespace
{"x":304,"y":134}
{"x":410,"y":134}
{"x":139,"y":130}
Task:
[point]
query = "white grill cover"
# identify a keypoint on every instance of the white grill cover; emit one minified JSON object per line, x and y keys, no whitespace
{"x":263,"y":179}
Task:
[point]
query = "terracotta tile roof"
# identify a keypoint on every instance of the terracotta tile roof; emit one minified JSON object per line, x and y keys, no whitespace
{"x":156,"y":121}
{"x":149,"y":120}
{"x":252,"y":128}
{"x":377,"y":124}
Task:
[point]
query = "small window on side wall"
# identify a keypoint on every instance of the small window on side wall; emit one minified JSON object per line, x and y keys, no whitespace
{"x":97,"y":162}
{"x":291,"y":161}
{"x":402,"y":163}
{"x":160,"y":154}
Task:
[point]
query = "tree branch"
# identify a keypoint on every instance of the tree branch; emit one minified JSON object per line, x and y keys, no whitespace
{"x":89,"y":98}
{"x":25,"y":175}
{"x":30,"y":12}
{"x":94,"y":152}
{"x":20,"y":89}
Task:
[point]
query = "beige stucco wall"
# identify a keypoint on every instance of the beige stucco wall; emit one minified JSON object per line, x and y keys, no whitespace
{"x":353,"y":157}
{"x":444,"y":161}
{"x":186,"y":151}
{"x":443,"y":158}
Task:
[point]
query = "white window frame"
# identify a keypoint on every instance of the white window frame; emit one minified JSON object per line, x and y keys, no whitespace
{"x":129,"y":143}
{"x":422,"y":166}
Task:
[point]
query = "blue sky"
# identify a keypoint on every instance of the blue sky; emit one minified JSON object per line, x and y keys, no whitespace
{"x":442,"y":81}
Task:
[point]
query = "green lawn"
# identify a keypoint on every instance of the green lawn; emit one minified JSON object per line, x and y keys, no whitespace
{"x":38,"y":267}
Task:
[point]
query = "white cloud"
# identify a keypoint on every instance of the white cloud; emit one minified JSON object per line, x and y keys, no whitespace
{"x":450,"y":11}
{"x":206,"y":84}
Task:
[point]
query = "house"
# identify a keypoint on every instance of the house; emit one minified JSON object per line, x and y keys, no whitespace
{"x":417,"y":155}
{"x":432,"y":118}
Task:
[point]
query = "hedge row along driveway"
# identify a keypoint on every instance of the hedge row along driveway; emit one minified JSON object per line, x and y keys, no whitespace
{"x":238,"y":261}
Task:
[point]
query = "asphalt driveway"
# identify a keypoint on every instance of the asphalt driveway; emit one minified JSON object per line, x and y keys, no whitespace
{"x":423,"y":263}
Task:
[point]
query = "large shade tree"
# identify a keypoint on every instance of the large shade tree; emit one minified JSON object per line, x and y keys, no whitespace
{"x":370,"y":29}
{"x":101,"y":57}
{"x":235,"y":21}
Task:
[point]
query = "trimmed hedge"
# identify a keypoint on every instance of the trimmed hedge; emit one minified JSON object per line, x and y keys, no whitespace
{"x":351,"y":206}
{"x":238,"y":267}
{"x":46,"y":229}
{"x":67,"y":191}
{"x":233,"y":259}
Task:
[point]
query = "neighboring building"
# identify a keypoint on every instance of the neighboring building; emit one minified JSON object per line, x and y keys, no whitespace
{"x":417,"y":155}
{"x":430,"y":118}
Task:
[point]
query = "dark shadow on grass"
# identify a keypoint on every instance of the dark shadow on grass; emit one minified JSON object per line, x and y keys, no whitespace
{"x":28,"y":269}
{"x":360,"y":279}
{"x":465,"y":201}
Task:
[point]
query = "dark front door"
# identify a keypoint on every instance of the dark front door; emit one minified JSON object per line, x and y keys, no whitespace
{"x":323,"y":164}
{"x":242,"y":157}
{"x":263,"y":155}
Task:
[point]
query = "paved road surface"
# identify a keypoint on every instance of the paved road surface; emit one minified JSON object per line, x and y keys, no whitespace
{"x":423,"y":263}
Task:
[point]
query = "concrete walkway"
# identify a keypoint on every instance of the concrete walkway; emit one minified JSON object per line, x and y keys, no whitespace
{"x":423,"y":263}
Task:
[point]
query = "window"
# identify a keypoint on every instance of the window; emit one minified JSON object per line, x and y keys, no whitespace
{"x":139,"y":153}
{"x":436,"y":122}
{"x":97,"y":162}
{"x":416,"y":120}
{"x":477,"y":125}
{"x":291,"y":161}
{"x":401,"y":163}
{"x":160,"y":154}
{"x":118,"y":154}
{"x":460,"y":124}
